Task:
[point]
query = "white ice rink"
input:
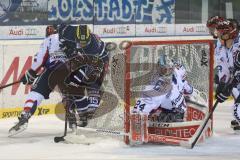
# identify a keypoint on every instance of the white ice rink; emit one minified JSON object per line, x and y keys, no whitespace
{"x":37,"y":143}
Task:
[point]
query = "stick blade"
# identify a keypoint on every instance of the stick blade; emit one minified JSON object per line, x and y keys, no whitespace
{"x":186,"y":144}
{"x":59,"y":139}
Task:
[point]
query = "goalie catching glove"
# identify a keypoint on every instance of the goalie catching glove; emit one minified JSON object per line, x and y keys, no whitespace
{"x":29,"y":77}
{"x":223,"y":91}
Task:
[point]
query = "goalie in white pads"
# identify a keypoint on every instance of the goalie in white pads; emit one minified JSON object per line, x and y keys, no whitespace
{"x":165,"y":93}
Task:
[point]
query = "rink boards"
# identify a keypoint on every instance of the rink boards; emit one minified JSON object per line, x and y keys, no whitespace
{"x":16,"y":57}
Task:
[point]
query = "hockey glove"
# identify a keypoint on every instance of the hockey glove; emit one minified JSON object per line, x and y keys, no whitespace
{"x":223,"y":91}
{"x":236,"y":59}
{"x":73,"y":80}
{"x":216,"y":79}
{"x":29,"y":77}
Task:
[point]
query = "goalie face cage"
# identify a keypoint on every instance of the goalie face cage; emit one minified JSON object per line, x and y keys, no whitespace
{"x":195,"y":55}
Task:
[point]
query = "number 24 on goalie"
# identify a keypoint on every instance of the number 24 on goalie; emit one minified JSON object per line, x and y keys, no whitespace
{"x":139,"y":105}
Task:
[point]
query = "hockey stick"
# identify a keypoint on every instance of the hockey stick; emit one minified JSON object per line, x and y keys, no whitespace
{"x":151,"y":137}
{"x":104,"y":131}
{"x":10,"y":84}
{"x":192,"y":142}
{"x":61,"y":138}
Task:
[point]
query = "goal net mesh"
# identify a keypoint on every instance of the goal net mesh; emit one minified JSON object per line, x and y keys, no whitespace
{"x":130,"y":69}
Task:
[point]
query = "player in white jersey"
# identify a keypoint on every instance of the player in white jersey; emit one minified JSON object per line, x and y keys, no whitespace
{"x":40,"y":70}
{"x":227,"y":58}
{"x":212,"y":24}
{"x":165,"y":93}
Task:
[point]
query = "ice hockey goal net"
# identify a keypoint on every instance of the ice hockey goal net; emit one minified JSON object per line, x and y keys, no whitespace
{"x":130,"y":68}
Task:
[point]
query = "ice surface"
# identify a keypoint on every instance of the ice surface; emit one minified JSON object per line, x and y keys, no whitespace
{"x":37,"y":143}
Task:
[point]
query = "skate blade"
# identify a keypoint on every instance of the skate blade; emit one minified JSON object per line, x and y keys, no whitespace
{"x":237,"y":132}
{"x":233,"y":126}
{"x":12,"y":132}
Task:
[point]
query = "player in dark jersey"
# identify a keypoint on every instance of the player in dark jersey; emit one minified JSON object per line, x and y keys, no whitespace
{"x":56,"y":49}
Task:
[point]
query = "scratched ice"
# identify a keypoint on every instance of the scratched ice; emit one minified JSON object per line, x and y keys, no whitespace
{"x":37,"y":143}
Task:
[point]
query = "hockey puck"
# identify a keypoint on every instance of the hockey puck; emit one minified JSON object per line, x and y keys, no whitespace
{"x":58,"y":139}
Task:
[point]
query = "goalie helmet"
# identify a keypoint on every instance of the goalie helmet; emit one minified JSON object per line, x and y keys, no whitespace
{"x":83,"y":36}
{"x":165,"y":65}
{"x":227,"y":30}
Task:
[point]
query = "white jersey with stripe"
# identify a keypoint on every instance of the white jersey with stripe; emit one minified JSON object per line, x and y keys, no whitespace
{"x":224,"y":59}
{"x":49,"y":53}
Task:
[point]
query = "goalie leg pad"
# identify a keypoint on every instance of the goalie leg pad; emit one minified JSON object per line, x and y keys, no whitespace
{"x":138,"y":128}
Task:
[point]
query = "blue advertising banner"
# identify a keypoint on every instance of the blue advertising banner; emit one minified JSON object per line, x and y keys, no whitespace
{"x":23,"y":12}
{"x":96,"y":12}
{"x":70,"y":11}
{"x":99,"y":12}
{"x":115,"y":12}
{"x":155,"y":11}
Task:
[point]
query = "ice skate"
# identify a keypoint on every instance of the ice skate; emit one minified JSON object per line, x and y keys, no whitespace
{"x":21,"y":125}
{"x":234,"y":123}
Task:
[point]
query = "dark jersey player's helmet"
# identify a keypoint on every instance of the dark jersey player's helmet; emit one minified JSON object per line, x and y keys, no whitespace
{"x":83,"y":35}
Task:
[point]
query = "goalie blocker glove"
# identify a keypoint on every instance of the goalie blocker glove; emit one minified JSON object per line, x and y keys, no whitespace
{"x":223,"y":91}
{"x":29,"y":77}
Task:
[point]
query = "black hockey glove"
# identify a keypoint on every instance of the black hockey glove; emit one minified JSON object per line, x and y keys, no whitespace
{"x":73,"y":80}
{"x":216,"y":79}
{"x":29,"y":77}
{"x":223,"y":91}
{"x":237,"y":59}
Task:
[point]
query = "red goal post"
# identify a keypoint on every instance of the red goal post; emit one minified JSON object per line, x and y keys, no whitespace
{"x":204,"y":48}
